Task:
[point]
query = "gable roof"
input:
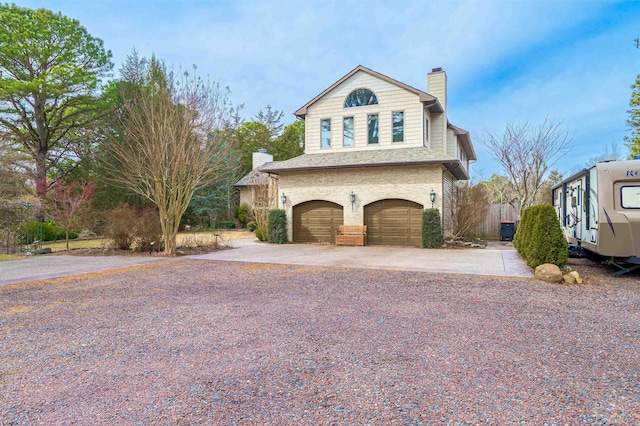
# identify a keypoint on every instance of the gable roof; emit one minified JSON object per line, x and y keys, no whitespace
{"x":367,"y":158}
{"x":430,"y":101}
{"x":465,"y":139}
{"x":254,"y":177}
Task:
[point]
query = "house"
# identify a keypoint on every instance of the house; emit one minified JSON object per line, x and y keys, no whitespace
{"x":376,"y":152}
{"x":258,"y":188}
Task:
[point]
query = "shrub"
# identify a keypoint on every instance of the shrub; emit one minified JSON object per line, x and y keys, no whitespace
{"x":431,"y":229}
{"x":121,"y":229}
{"x":242,"y":213}
{"x":251,"y":226}
{"x":539,"y":238}
{"x":277,"y":226}
{"x":227,"y":224}
{"x":549,"y":244}
{"x":261,"y":233}
{"x":147,"y":234}
{"x":49,"y":231}
{"x":62,"y":235}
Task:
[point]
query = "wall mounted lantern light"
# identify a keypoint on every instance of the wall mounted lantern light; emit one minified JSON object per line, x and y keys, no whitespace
{"x":283,"y":199}
{"x":432,"y":197}
{"x":352,"y":197}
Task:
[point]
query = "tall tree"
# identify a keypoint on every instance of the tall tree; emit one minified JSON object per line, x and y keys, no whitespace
{"x":526,"y":153}
{"x":271,"y":119}
{"x":499,"y":189}
{"x":251,"y":137}
{"x":14,"y":174}
{"x":170,"y":146}
{"x":633,"y":122}
{"x":290,"y":143}
{"x":50,"y":71}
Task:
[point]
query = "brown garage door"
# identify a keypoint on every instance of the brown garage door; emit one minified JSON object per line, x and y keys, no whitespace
{"x":394,"y":223}
{"x":316,"y":221}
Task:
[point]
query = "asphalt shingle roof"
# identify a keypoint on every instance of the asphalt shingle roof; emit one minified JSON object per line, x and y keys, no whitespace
{"x":373,"y":157}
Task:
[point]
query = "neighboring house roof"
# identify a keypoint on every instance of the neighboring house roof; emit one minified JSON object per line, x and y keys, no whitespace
{"x":429,"y":100}
{"x":254,"y":177}
{"x":465,"y":140}
{"x":367,"y":158}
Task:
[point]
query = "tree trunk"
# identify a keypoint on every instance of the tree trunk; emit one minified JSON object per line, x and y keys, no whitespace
{"x":67,"y":232}
{"x":41,"y":175}
{"x":169,"y":231}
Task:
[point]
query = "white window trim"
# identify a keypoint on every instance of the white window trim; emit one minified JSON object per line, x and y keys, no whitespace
{"x":330,"y":133}
{"x":354,"y":131}
{"x":403,"y":132}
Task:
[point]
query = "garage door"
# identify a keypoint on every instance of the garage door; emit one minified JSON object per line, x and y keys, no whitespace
{"x":316,"y":221}
{"x":394,"y":223}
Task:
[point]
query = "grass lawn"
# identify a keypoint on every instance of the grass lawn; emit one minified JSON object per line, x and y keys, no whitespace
{"x":185,"y":239}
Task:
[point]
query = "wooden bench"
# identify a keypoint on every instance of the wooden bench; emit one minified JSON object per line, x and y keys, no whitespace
{"x":351,"y":235}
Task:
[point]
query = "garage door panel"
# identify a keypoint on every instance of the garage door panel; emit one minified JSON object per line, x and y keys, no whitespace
{"x":316,"y":221}
{"x":394,"y":222}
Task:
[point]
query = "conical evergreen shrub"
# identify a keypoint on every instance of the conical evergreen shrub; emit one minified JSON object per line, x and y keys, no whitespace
{"x":277,"y":226}
{"x":549,"y":244}
{"x":431,"y":229}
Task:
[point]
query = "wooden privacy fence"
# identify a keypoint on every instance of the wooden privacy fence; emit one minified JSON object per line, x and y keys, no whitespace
{"x":490,"y":228}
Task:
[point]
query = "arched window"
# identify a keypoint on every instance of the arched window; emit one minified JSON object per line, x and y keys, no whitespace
{"x":360,"y":97}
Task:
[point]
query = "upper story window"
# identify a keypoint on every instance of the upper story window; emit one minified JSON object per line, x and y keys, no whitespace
{"x":425,"y":129}
{"x":398,"y":126}
{"x":360,"y":97}
{"x":372,"y":125}
{"x":347,"y":131}
{"x":325,"y":133}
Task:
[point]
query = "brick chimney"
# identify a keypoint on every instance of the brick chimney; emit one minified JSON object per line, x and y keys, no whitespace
{"x":261,"y":157}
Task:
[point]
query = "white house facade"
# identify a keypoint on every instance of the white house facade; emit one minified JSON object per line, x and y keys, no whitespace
{"x":375,"y":151}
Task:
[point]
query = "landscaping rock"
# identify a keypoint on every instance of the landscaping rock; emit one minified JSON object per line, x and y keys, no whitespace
{"x":45,"y":250}
{"x":549,"y":273}
{"x":572,"y":278}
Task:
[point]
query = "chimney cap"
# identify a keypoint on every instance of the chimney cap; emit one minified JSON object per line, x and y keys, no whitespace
{"x":438,"y":69}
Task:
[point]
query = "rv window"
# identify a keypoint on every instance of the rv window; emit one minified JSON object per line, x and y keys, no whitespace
{"x":630,"y":197}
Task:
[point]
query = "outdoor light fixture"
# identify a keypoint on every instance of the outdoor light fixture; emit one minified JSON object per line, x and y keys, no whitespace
{"x":432,"y":197}
{"x":352,"y":196}
{"x":284,"y":199}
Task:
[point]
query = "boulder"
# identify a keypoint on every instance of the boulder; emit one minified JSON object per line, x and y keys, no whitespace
{"x":572,"y":278}
{"x":548,"y":272}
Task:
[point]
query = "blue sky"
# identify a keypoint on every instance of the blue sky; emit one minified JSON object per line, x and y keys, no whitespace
{"x":506,"y":61}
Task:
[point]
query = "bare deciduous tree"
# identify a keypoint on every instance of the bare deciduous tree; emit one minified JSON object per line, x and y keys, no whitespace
{"x":526,"y":153}
{"x":264,"y":192}
{"x":65,"y":202}
{"x":469,"y":206}
{"x":170,"y":145}
{"x":610,"y":152}
{"x":499,"y":188}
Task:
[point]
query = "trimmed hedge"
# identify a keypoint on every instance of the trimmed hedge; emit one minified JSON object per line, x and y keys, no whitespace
{"x":226,"y":224}
{"x":50,"y":232}
{"x":277,"y":226}
{"x":539,"y":237}
{"x":431,"y":229}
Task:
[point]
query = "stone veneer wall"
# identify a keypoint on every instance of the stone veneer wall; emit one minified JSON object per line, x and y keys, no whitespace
{"x":413,"y":183}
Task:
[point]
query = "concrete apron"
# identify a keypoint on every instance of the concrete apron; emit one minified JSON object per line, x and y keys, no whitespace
{"x":470,"y":261}
{"x":506,"y":263}
{"x":46,"y":267}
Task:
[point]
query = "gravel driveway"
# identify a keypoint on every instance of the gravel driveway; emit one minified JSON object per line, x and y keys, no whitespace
{"x":210,"y":342}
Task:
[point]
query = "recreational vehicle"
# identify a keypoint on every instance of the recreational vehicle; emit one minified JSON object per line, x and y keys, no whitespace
{"x":599,"y":211}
